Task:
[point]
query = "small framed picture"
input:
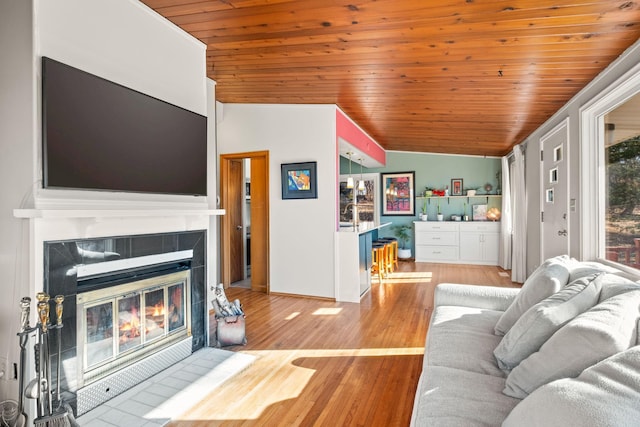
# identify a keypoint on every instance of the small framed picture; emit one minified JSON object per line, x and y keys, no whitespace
{"x":299,"y":180}
{"x":479,"y":212}
{"x":456,"y":187}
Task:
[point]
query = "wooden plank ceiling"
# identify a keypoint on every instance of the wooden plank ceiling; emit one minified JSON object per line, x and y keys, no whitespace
{"x":445,"y":76}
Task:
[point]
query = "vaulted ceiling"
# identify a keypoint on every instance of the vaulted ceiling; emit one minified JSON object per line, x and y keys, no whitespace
{"x":444,"y":76}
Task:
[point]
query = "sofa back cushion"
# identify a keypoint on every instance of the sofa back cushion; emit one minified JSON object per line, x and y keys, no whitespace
{"x":546,"y":280}
{"x":604,"y":330}
{"x":542,"y":320}
{"x":605,"y":394}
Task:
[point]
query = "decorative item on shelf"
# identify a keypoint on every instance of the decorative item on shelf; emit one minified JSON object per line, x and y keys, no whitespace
{"x":403,"y":233}
{"x":499,"y":179}
{"x":440,"y":216}
{"x":456,"y":187}
{"x":479,"y":212}
{"x":493,"y":214}
{"x":446,"y":191}
{"x":423,"y":214}
{"x":438,"y":192}
{"x":428,"y":192}
{"x":488,"y":187}
{"x":464,"y":212}
{"x":471,"y":193}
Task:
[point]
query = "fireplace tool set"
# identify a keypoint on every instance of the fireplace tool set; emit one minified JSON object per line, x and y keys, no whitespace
{"x":50,"y":413}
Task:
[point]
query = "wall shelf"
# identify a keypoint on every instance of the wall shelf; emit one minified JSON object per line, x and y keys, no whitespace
{"x":484,"y":196}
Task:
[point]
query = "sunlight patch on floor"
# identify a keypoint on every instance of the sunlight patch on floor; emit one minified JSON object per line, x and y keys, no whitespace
{"x":274,"y":377}
{"x":411,"y":277}
{"x":292,"y":315}
{"x":327,"y":311}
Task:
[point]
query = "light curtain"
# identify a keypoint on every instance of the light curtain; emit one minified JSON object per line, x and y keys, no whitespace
{"x":506,"y":221}
{"x":519,"y":215}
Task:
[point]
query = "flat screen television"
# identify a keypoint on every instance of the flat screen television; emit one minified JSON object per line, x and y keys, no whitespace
{"x":99,"y":135}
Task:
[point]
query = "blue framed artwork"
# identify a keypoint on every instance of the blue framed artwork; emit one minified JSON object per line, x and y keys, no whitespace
{"x":299,"y":180}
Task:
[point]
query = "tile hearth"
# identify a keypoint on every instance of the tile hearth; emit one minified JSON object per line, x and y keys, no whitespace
{"x":170,"y":393}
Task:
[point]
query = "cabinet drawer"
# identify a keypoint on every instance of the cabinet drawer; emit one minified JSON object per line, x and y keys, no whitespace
{"x":436,"y":253}
{"x":435,"y":226}
{"x":437,"y":238}
{"x":479,"y":226}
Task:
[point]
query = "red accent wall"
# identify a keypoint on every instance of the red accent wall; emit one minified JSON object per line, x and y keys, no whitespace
{"x":351,"y":133}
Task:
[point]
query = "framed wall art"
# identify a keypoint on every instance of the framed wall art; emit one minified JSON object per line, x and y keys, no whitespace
{"x":456,"y":187}
{"x":299,"y":180}
{"x":398,"y":191}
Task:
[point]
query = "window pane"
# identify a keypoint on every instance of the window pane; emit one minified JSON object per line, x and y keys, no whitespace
{"x":129,"y":322}
{"x":154,"y":314}
{"x":176,"y":307}
{"x":99,"y":337}
{"x":622,"y":221}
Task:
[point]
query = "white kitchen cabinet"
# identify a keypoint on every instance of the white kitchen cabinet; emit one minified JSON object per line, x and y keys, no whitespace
{"x":479,"y":242}
{"x":457,"y":242}
{"x":436,"y":241}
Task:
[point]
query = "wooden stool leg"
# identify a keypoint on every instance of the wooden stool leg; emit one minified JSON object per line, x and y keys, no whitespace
{"x":395,"y":253}
{"x":377,"y":262}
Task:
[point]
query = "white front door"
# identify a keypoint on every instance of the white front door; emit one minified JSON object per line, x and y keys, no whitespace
{"x":555,"y":192}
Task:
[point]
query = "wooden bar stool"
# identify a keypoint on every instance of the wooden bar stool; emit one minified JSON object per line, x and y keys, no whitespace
{"x":391,"y":252}
{"x":378,"y":260}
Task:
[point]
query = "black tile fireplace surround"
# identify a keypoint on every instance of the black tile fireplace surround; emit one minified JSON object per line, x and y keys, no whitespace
{"x":60,"y":278}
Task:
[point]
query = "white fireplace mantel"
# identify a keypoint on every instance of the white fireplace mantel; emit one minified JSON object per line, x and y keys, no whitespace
{"x":112,"y":213}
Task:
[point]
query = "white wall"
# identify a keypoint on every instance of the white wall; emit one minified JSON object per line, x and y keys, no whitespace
{"x":593,"y":90}
{"x":123,"y":41}
{"x":16,"y":169}
{"x":302,"y":231}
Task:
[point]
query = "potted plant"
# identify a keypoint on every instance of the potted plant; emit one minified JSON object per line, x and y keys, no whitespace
{"x":403,"y":233}
{"x":423,"y":215}
{"x":440,"y":215}
{"x":428,"y":192}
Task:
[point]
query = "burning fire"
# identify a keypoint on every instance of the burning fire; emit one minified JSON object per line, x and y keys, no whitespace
{"x":158,"y":310}
{"x":131,"y":329}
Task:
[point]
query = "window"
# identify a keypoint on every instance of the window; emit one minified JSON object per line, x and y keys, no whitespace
{"x":610,"y":174}
{"x":621,"y":145}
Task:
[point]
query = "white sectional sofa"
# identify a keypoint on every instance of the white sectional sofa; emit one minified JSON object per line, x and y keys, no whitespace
{"x":564,"y":350}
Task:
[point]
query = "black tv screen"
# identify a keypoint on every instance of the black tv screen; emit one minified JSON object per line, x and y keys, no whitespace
{"x":99,"y":135}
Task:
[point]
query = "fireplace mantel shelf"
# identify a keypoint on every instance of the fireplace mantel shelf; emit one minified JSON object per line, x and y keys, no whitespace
{"x":112,"y":213}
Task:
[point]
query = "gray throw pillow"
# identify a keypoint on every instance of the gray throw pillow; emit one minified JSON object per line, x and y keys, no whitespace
{"x":604,"y":330}
{"x":580,"y":269}
{"x":546,"y":280}
{"x":542,"y":320}
{"x":605,"y":394}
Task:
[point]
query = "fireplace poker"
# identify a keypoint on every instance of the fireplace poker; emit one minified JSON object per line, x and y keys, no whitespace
{"x":25,"y":308}
{"x":59,"y":300}
{"x":43,"y":391}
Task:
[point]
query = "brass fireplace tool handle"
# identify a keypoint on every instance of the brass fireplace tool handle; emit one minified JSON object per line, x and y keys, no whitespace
{"x":43,"y":310}
{"x":59,"y":299}
{"x":25,"y":311}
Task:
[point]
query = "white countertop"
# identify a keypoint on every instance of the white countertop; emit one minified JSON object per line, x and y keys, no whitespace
{"x":350,"y":228}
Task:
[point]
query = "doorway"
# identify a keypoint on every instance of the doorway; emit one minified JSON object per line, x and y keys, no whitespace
{"x":554,"y":175}
{"x":245,"y":244}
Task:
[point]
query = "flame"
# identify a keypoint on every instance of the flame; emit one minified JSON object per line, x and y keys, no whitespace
{"x":158,"y":310}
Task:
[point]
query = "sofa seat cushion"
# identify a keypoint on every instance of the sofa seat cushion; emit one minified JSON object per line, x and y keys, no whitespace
{"x":604,"y":330}
{"x":448,"y":397}
{"x":606,"y":394}
{"x":463,"y":338}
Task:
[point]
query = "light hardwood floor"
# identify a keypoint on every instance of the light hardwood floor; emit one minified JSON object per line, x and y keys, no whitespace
{"x":322,"y":363}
